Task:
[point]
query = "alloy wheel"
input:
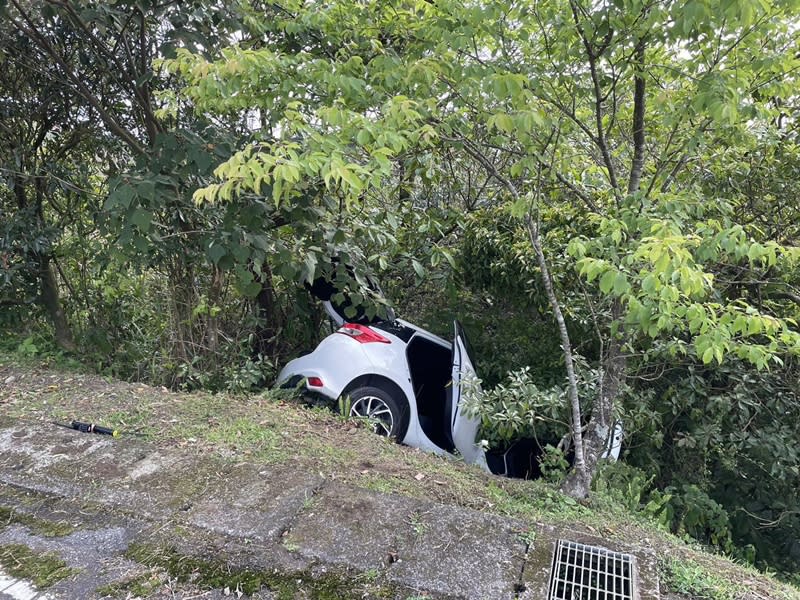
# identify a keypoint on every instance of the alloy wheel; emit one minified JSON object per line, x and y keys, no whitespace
{"x":376,"y":411}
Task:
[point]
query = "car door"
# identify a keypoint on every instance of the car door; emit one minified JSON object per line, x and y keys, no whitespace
{"x":464,"y":430}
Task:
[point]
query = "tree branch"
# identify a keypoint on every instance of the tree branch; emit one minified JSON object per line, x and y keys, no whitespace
{"x":80,"y":87}
{"x":639,"y":98}
{"x":592,"y":56}
{"x":533,"y":232}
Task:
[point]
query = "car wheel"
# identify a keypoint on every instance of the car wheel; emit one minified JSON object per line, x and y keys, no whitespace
{"x":386,"y":415}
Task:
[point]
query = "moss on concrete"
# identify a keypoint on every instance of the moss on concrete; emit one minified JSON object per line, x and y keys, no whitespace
{"x":40,"y":526}
{"x":141,"y":586}
{"x":213,"y":574}
{"x":42,"y":568}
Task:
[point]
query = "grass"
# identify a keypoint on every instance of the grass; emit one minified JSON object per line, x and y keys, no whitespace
{"x":691,"y":579}
{"x":269,"y":429}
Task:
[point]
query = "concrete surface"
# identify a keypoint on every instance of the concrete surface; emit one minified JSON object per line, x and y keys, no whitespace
{"x":117,"y":494}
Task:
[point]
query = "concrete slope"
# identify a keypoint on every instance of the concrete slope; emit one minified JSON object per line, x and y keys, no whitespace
{"x":267,"y":532}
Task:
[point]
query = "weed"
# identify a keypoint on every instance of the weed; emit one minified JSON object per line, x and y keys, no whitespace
{"x":527,"y":537}
{"x":343,"y":404}
{"x":140,"y":586}
{"x":689,"y":578}
{"x":370,"y":576}
{"x":308,"y":501}
{"x":554,"y":464}
{"x":417,"y":524}
{"x":210,"y":574}
{"x":249,"y":438}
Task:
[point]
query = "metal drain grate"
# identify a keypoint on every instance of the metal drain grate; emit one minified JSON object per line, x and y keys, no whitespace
{"x":583,"y":572}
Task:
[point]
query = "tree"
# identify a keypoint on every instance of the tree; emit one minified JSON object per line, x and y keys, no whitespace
{"x":101,"y":57}
{"x":43,"y":140}
{"x":605,"y":107}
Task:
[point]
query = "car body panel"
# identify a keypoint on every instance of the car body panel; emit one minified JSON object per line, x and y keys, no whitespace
{"x":613,"y":436}
{"x":464,"y":429}
{"x":337,"y":360}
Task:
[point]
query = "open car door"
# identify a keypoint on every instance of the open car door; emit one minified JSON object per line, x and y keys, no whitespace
{"x":464,"y":430}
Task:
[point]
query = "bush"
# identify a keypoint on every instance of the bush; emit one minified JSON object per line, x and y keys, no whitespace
{"x":515,"y":409}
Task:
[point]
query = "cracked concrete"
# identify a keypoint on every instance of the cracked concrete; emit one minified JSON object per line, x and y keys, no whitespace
{"x":117,"y":493}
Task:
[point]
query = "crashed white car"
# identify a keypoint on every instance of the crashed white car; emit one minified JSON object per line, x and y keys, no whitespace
{"x":406,"y":382}
{"x":403,"y":379}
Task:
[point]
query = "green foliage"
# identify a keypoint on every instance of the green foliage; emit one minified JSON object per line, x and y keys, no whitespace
{"x":513,"y":410}
{"x":412,"y":139}
{"x":725,"y":446}
{"x":623,"y":484}
{"x":693,"y":512}
{"x":28,"y":347}
{"x":686,"y":577}
{"x":22,"y":238}
{"x":657,"y":258}
{"x":553,"y":464}
{"x":44,"y":569}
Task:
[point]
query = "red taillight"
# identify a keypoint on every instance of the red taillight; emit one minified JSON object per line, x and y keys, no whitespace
{"x":362,"y":333}
{"x":315,"y":382}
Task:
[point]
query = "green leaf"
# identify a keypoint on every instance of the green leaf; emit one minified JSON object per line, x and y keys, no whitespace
{"x":607,"y":281}
{"x":142,"y":219}
{"x":215,"y":253}
{"x":250,"y":290}
{"x":649,"y":283}
{"x":503,"y":122}
{"x":122,"y":196}
{"x":146,"y":190}
{"x":708,"y":355}
{"x":621,"y":284}
{"x":418,"y":268}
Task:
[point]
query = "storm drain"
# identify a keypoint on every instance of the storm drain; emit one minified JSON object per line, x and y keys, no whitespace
{"x":583,"y":572}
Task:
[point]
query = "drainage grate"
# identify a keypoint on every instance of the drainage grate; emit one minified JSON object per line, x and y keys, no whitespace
{"x":583,"y":572}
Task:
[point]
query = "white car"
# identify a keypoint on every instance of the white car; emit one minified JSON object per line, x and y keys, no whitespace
{"x":407,"y":382}
{"x":404,"y":379}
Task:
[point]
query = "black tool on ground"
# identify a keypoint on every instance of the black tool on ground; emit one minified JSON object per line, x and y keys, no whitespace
{"x":88,"y":428}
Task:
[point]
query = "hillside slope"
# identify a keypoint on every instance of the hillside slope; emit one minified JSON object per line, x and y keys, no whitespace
{"x":263,"y":429}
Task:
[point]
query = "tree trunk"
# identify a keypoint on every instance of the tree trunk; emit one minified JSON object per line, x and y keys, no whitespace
{"x":212,"y":321}
{"x":578,"y":482}
{"x":182,"y":296}
{"x":581,"y":475}
{"x":48,"y":284}
{"x":613,"y":374}
{"x":266,"y":311}
{"x":639,"y":98}
{"x":52,"y":303}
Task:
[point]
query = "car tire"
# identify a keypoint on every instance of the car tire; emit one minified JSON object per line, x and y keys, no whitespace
{"x":387,"y":415}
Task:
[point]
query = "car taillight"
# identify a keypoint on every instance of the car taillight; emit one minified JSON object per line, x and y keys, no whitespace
{"x":362,"y":333}
{"x":315,"y":382}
